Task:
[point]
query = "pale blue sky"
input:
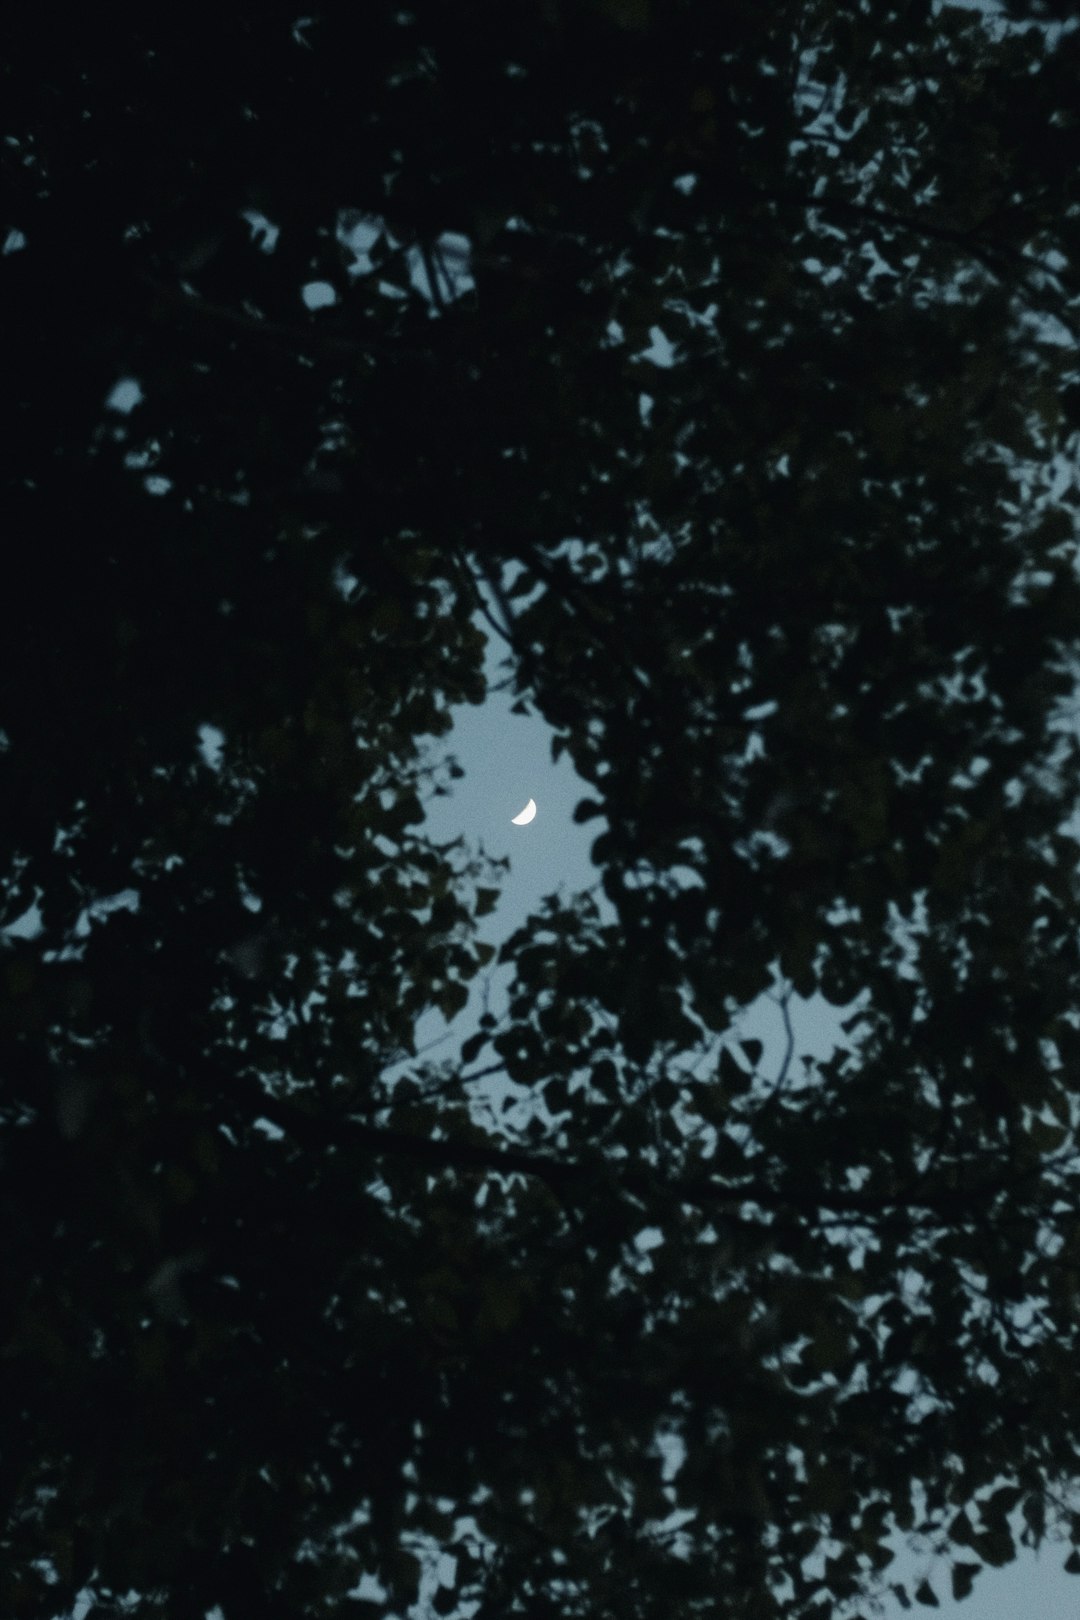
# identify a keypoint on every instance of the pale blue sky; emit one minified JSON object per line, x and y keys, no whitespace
{"x":507,"y":760}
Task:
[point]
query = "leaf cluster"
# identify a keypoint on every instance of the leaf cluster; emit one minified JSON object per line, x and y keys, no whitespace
{"x":717,"y":370}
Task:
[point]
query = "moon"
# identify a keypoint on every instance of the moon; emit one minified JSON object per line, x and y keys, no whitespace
{"x":526,"y":815}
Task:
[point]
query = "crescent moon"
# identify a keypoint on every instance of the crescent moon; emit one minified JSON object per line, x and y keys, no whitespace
{"x":526,"y":815}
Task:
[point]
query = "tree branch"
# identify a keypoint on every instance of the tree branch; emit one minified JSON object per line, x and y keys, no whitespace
{"x":566,"y":1176}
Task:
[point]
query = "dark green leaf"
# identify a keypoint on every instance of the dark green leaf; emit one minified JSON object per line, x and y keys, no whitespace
{"x":963,"y":1579}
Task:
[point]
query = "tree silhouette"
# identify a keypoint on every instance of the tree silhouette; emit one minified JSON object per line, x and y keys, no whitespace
{"x":725,"y":370}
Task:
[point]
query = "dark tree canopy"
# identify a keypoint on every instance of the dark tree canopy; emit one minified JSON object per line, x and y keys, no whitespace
{"x":722,"y":361}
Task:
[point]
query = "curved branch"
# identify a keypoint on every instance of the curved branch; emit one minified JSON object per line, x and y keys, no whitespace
{"x":571,"y":1179}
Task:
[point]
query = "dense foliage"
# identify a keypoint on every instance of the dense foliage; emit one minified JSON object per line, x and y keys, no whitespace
{"x":721,"y":361}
